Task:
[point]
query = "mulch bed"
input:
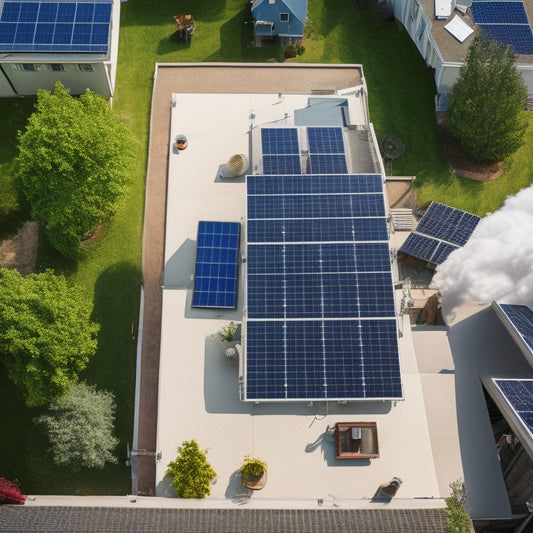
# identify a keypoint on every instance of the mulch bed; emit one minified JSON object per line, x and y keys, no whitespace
{"x":461,"y":164}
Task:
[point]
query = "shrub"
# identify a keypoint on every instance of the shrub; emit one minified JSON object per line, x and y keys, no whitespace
{"x":252,"y":467}
{"x":227,"y":333}
{"x":191,"y":473}
{"x":80,"y":427}
{"x":10,"y":492}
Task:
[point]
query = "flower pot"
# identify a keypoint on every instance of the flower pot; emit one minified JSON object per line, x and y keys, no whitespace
{"x":255,"y":482}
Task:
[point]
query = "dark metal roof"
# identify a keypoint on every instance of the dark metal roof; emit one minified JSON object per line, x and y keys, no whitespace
{"x":106,"y":519}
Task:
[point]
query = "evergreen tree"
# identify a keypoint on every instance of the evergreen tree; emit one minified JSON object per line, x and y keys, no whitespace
{"x":487,"y":102}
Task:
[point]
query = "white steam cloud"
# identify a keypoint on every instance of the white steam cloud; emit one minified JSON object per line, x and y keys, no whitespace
{"x":497,"y":262}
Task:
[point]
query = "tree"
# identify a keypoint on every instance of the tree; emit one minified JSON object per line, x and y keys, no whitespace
{"x":487,"y":102}
{"x":191,"y":473}
{"x":46,"y":333}
{"x":73,"y":162}
{"x":80,"y":427}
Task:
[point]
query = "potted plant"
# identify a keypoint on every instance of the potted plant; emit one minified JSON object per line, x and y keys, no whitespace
{"x":191,"y":473}
{"x":227,"y":333}
{"x":254,"y":473}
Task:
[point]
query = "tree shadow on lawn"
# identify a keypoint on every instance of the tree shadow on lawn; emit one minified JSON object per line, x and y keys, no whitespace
{"x":116,"y":309}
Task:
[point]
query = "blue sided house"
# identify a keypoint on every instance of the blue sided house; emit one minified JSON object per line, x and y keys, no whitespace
{"x":279,"y":21}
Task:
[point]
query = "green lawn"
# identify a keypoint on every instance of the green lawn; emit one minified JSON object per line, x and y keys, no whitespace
{"x":401,"y":101}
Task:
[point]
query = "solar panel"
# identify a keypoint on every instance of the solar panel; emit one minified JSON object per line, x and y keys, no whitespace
{"x":325,"y":141}
{"x":325,"y":184}
{"x":331,"y":295}
{"x":217,"y":265}
{"x":499,"y":13}
{"x":419,"y":246}
{"x":519,"y":36}
{"x":316,"y":206}
{"x":318,"y":257}
{"x":279,"y":141}
{"x":55,"y":26}
{"x":440,"y":231}
{"x":442,"y":252}
{"x":281,"y":164}
{"x":327,"y":164}
{"x":518,"y":393}
{"x":521,"y":317}
{"x":317,"y":230}
{"x":336,"y":359}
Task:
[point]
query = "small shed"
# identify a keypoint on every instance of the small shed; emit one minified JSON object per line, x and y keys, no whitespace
{"x":279,"y":21}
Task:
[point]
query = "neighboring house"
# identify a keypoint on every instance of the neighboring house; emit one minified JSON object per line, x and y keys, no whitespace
{"x":281,"y":21}
{"x":72,"y":41}
{"x":440,"y":49}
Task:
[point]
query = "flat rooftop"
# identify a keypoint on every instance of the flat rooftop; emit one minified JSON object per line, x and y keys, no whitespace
{"x":437,"y":434}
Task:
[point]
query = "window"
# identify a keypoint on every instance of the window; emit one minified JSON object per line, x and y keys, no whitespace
{"x":57,"y":67}
{"x":284,"y":17}
{"x":85,"y":67}
{"x":27,"y":67}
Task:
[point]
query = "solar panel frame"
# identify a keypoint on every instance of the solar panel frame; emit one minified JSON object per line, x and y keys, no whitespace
{"x":519,"y":36}
{"x":216,"y":271}
{"x":315,"y":184}
{"x":327,"y":164}
{"x":499,"y":13}
{"x":317,"y":360}
{"x":521,"y":317}
{"x":442,"y":252}
{"x":420,"y":246}
{"x":325,"y":140}
{"x":279,"y":141}
{"x":518,"y":393}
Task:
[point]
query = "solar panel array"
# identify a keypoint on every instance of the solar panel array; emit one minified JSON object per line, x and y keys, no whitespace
{"x":320,"y":302}
{"x":58,"y":26}
{"x":216,"y":273}
{"x":518,"y":394}
{"x":506,"y":22}
{"x":440,"y":231}
{"x":521,"y":317}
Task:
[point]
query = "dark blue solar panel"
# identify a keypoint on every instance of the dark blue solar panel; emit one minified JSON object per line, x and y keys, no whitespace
{"x":519,"y":395}
{"x":335,"y":230}
{"x":10,"y":12}
{"x":519,"y":36}
{"x":276,"y":141}
{"x":48,"y":12}
{"x":337,"y":295}
{"x":442,"y":252}
{"x":341,"y":183}
{"x":217,"y":265}
{"x":447,"y":223}
{"x":55,"y":26}
{"x":327,"y":164}
{"x":322,"y":359}
{"x":521,"y":317}
{"x":419,"y":246}
{"x":325,"y":141}
{"x":316,"y":206}
{"x":314,"y":258}
{"x":499,"y":13}
{"x":281,"y":164}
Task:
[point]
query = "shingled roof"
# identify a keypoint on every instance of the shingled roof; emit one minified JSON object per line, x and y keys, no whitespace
{"x":107,"y":519}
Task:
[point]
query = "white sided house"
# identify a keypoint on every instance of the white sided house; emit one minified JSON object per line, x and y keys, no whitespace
{"x":45,"y":41}
{"x":443,"y":30}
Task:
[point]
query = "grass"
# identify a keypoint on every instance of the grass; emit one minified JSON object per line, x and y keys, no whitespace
{"x":401,"y":99}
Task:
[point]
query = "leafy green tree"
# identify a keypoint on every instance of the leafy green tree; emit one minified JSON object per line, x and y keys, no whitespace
{"x":74,"y":159}
{"x":191,"y":473}
{"x":80,"y":427}
{"x":46,"y":333}
{"x":487,"y":102}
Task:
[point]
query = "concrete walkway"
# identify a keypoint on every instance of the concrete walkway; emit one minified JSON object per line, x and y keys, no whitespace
{"x":197,"y":78}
